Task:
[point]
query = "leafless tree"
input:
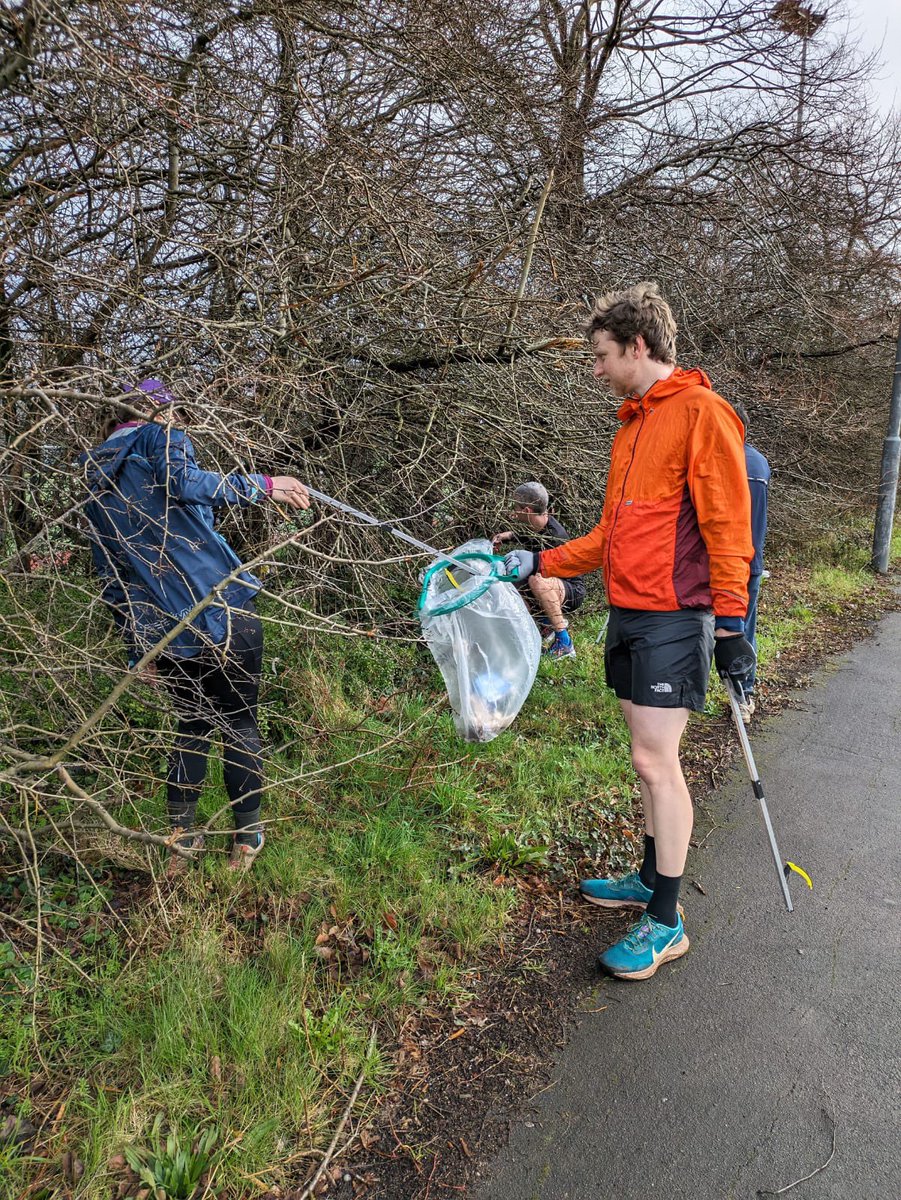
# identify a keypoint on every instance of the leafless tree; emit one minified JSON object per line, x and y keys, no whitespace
{"x":354,"y":236}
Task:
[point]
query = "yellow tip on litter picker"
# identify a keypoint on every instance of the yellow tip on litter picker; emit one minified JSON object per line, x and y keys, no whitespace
{"x":790,"y":866}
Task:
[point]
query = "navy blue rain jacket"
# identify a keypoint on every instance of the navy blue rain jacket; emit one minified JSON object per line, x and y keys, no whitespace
{"x":153,"y":537}
{"x":758,"y":482}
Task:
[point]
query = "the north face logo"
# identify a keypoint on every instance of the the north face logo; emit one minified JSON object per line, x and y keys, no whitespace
{"x":661,"y":687}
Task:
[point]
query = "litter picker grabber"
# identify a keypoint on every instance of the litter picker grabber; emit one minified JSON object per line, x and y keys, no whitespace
{"x":494,"y":576}
{"x":782,"y":870}
{"x":389,"y":527}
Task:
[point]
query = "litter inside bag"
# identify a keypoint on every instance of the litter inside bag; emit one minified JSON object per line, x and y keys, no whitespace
{"x":482,"y":638}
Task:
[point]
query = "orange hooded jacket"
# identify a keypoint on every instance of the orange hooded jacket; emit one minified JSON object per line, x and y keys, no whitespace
{"x":676,"y":527}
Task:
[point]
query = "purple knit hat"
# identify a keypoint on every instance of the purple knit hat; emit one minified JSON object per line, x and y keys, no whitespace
{"x":156,"y":391}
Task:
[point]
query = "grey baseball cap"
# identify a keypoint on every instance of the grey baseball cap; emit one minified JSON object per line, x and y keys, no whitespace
{"x":534,"y":494}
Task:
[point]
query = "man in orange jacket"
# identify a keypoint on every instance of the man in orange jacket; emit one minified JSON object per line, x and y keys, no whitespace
{"x":674,"y":545}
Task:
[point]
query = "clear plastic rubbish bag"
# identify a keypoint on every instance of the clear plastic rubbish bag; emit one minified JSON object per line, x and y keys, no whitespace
{"x":482,"y":637}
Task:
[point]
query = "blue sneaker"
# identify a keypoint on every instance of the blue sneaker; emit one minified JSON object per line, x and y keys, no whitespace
{"x":562,"y":646}
{"x":645,"y":947}
{"x":628,"y":892}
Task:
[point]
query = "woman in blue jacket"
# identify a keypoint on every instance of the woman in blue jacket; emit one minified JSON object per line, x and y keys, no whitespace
{"x":151,"y":518}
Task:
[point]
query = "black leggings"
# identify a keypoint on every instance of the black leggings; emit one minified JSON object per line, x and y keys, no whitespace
{"x":218,"y":691}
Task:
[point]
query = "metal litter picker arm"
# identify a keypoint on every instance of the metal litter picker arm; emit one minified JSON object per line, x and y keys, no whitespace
{"x":758,"y":787}
{"x":387,"y":525}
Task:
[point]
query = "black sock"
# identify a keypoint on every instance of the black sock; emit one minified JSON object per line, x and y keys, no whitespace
{"x":648,"y":872}
{"x":248,"y":829}
{"x":662,"y":905}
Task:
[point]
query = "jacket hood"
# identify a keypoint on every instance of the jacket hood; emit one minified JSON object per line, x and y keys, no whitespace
{"x":103,"y":463}
{"x":680,"y":381}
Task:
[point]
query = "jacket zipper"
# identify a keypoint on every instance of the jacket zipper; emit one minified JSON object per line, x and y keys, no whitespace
{"x":623,"y":491}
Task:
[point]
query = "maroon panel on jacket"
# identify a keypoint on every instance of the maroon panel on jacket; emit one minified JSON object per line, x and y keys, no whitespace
{"x":691,"y":564}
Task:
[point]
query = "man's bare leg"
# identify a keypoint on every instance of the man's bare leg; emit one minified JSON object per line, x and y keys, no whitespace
{"x":647,"y":804}
{"x":615,"y":892}
{"x":648,"y":869}
{"x":656,"y":736}
{"x":550,"y":595}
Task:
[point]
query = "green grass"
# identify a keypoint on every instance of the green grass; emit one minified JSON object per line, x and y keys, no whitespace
{"x":248,"y":1008}
{"x":781,"y":627}
{"x":219,"y":1030}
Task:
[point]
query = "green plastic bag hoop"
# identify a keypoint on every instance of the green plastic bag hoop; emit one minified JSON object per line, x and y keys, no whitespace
{"x":495,"y":561}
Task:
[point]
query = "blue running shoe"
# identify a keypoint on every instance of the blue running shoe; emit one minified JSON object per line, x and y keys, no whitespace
{"x":628,"y":892}
{"x":562,"y":646}
{"x":645,"y":947}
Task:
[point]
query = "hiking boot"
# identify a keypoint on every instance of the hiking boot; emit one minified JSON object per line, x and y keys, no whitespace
{"x":243,"y":853}
{"x":562,"y":646}
{"x":178,"y":864}
{"x":746,"y":708}
{"x":647,"y":946}
{"x":627,"y":892}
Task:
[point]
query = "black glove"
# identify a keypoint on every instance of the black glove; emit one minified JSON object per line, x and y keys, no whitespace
{"x":735,"y":658}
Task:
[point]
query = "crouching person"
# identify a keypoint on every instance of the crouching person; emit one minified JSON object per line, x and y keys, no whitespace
{"x":151,"y":517}
{"x":554,"y":599}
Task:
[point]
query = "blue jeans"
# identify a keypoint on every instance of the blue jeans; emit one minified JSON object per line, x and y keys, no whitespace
{"x":751,"y":628}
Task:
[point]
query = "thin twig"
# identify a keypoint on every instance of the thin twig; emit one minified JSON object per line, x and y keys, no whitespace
{"x":134,"y":835}
{"x":530,"y":250}
{"x":788,"y":1187}
{"x":428,"y":1186}
{"x":317,"y":1175}
{"x":36,"y":934}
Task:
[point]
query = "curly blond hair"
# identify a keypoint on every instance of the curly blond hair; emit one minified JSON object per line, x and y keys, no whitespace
{"x":639,"y":309}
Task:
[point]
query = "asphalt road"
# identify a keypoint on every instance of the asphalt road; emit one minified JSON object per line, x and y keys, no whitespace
{"x":726,"y":1074}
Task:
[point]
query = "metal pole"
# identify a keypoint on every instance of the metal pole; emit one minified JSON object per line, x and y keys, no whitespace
{"x":398,"y":533}
{"x":888,"y":478}
{"x":758,"y":790}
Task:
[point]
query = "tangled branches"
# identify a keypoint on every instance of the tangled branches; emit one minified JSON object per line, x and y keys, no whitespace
{"x":354,"y":238}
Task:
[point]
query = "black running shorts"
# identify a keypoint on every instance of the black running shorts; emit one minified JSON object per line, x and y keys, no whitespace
{"x":659,"y":659}
{"x":573,"y":595}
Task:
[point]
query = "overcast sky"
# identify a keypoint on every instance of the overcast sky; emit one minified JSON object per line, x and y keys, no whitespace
{"x":879,"y":22}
